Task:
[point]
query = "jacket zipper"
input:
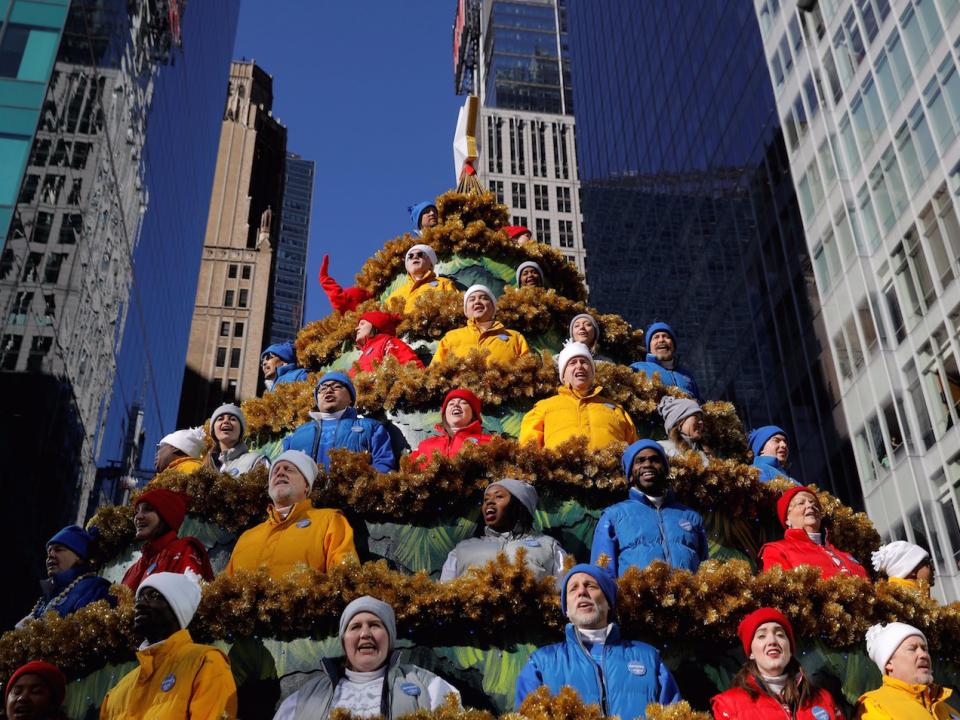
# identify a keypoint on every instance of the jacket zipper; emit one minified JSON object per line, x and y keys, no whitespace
{"x":597,"y":670}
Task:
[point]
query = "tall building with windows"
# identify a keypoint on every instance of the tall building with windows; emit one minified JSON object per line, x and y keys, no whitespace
{"x":690,"y":216}
{"x":99,"y":168}
{"x":513,"y":54}
{"x":291,"y":253}
{"x":869,"y":96}
{"x":234,"y":298}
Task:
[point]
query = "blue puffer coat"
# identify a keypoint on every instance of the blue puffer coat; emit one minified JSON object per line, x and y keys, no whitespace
{"x":678,"y":377}
{"x":626,"y":676}
{"x":289,"y":373}
{"x":771,"y":469}
{"x":86,"y":591}
{"x":351,"y":432}
{"x":636,"y":532}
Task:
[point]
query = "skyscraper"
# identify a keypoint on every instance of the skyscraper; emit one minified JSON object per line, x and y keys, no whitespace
{"x":291,"y":253}
{"x":234,"y":298}
{"x":869,"y":96}
{"x":96,"y":213}
{"x":513,"y":54}
{"x":690,"y":215}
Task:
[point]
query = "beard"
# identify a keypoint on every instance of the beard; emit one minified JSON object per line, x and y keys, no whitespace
{"x":586,"y":618}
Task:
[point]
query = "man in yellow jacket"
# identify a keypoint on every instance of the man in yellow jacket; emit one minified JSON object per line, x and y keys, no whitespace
{"x":906,"y":565}
{"x":181,"y":451}
{"x":482,"y":332}
{"x":295,"y":533}
{"x":908,"y":691}
{"x":578,"y":408}
{"x":421,"y":279}
{"x":176,"y":677}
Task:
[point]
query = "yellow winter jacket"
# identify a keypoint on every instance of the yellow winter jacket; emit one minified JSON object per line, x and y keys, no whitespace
{"x":177,"y":678}
{"x":185,"y":465}
{"x":897,"y":700}
{"x":504,"y":345}
{"x":317,"y":537}
{"x":912,"y":584}
{"x":569,"y":414}
{"x":412,"y":289}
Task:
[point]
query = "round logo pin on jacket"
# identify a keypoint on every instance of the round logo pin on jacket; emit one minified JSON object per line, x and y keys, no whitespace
{"x":410,"y":689}
{"x":168,"y":682}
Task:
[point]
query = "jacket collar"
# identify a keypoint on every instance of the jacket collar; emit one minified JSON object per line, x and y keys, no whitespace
{"x":770,"y":461}
{"x":233,"y":453}
{"x":154,"y":655}
{"x":932,"y":694}
{"x":55,"y":584}
{"x":334,"y":667}
{"x":497,"y":327}
{"x":349,"y":413}
{"x":474,"y":428}
{"x":284,"y":369}
{"x":567,"y":390}
{"x":180,"y":461}
{"x":297,"y":513}
{"x":669,"y":497}
{"x":154,"y":546}
{"x":613,"y":637}
{"x":800,"y":535}
{"x":414,"y":284}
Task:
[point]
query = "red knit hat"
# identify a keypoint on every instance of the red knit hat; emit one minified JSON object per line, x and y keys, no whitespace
{"x":384,"y":322}
{"x":783,"y":504}
{"x":170,"y":506}
{"x":50,"y":674}
{"x":515,"y":231}
{"x":472,"y":400}
{"x":748,"y":627}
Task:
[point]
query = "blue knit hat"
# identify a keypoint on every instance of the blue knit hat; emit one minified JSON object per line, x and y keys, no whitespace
{"x":658,"y":327}
{"x":340,"y":378}
{"x":758,"y":438}
{"x":75,"y":538}
{"x":631,"y":452}
{"x":416,"y":211}
{"x":285,"y":351}
{"x":608,"y":584}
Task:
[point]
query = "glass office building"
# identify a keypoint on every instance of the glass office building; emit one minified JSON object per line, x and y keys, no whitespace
{"x":690,"y":215}
{"x":869,"y":96}
{"x":109,"y":113}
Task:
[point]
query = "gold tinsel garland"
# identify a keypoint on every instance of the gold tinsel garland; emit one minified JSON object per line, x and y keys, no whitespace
{"x":500,"y":600}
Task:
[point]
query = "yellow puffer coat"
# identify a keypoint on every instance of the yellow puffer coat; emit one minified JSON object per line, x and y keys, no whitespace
{"x":897,"y":700}
{"x":569,"y":414}
{"x":412,"y":289}
{"x":317,"y":537}
{"x":177,"y":678}
{"x":910,"y":583}
{"x":504,"y":345}
{"x":185,"y":465}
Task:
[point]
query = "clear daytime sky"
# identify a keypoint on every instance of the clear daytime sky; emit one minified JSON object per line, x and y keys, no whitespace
{"x":365,"y":89}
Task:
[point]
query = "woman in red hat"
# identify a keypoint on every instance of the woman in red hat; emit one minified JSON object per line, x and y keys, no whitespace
{"x":460,"y":423}
{"x":375,"y":337}
{"x":35,"y":691}
{"x":771,"y":683}
{"x":158,"y":515}
{"x":805,"y":540}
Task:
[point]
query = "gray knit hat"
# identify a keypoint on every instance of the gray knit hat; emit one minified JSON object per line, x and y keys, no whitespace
{"x":524,"y":492}
{"x":593,"y":321}
{"x":229,"y":409}
{"x":370,"y":604}
{"x":675,"y":410}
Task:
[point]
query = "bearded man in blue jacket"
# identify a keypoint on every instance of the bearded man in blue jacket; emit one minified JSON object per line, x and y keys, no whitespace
{"x":621,"y":676}
{"x":651,"y":524}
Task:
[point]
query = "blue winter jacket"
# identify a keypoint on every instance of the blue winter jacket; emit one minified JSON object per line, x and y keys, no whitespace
{"x":83,"y":593}
{"x":636,"y":532}
{"x":771,"y":469}
{"x":680,"y":377}
{"x":624,"y":678}
{"x":289,"y":373}
{"x":351,"y":432}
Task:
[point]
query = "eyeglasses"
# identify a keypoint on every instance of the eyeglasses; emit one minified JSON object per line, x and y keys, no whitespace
{"x":416,"y":254}
{"x":332,"y":386}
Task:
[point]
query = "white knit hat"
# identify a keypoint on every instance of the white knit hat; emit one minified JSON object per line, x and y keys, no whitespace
{"x":192,"y":441}
{"x":229,"y":409}
{"x":883,"y":641}
{"x":479,"y":288}
{"x":899,"y":558}
{"x":570,"y":351}
{"x":530,"y":264}
{"x":180,"y":590}
{"x":303,"y":462}
{"x":426,"y":249}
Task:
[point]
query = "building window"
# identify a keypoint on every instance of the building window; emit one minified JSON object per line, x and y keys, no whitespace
{"x":235,"y":357}
{"x":231,"y":392}
{"x":496,"y":187}
{"x":245,"y":272}
{"x":51,"y":272}
{"x":563,"y":200}
{"x":238,"y":329}
{"x":520,"y":220}
{"x":6,"y":263}
{"x":71,"y":228}
{"x":32,"y":266}
{"x":242,"y":299}
{"x":21,"y":308}
{"x":39,"y":347}
{"x":543,"y":230}
{"x":50,"y":192}
{"x":28,"y":189}
{"x":519,"y":192}
{"x":941,"y":378}
{"x":42,"y":226}
{"x":228,"y":298}
{"x":76,"y":192}
{"x":27,"y":52}
{"x":565,"y":233}
{"x":232,"y":271}
{"x":9,"y":351}
{"x":221,"y":356}
{"x":49,"y":309}
{"x":225,"y":328}
{"x":541,"y":197}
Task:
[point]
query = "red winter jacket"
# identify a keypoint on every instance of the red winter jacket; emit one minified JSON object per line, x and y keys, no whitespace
{"x":168,"y":553}
{"x":449,"y":446}
{"x":797,"y":549}
{"x":378,"y":347}
{"x":736,"y":704}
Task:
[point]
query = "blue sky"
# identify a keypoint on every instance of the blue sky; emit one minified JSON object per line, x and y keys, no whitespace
{"x":365,"y":90}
